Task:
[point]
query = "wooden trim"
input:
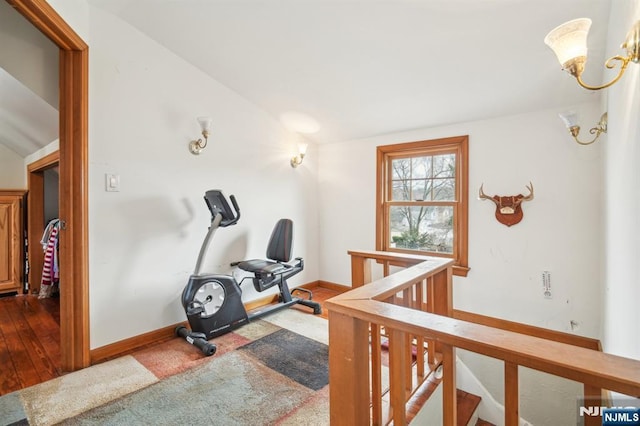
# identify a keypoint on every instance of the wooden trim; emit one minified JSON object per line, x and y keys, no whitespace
{"x":74,"y":257}
{"x":340,"y":288}
{"x":46,"y":162}
{"x":259,"y":303}
{"x":113,"y":350}
{"x":47,"y":20}
{"x":13,"y":192}
{"x":529,"y":330}
{"x":458,"y":145}
{"x":35,"y":215}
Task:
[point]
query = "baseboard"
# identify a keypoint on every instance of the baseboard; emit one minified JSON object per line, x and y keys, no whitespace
{"x":122,"y":347}
{"x":341,"y":288}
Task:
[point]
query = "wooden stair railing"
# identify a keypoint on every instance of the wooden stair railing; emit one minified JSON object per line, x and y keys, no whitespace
{"x":415,"y":305}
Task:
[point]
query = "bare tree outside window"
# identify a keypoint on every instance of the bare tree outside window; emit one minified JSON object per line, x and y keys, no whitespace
{"x":422,"y":199}
{"x":423,"y":179}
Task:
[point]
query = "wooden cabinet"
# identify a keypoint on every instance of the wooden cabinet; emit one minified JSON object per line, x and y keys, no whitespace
{"x":11,"y":240}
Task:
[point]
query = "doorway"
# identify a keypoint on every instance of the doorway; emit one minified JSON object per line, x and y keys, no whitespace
{"x":73,"y":163}
{"x":42,"y":206}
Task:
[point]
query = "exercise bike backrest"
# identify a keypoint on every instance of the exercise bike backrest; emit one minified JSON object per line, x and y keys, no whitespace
{"x":217,"y":203}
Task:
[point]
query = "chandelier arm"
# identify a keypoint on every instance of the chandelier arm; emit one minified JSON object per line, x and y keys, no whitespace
{"x":609,"y":64}
{"x":586,"y":143}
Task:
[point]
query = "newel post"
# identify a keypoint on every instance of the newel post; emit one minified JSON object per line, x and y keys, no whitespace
{"x":360,"y":270}
{"x":348,"y":370}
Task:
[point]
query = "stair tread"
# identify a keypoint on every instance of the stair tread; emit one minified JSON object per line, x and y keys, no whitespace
{"x":466,"y":402}
{"x":481,"y":422}
{"x":467,"y":405}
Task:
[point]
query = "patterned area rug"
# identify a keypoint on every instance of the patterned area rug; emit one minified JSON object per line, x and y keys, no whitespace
{"x":272,"y":371}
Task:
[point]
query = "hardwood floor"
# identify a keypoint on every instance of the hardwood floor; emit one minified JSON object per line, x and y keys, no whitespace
{"x":29,"y":341}
{"x":320,"y":295}
{"x":30,"y":344}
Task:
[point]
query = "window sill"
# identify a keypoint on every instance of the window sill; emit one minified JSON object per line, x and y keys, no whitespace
{"x":460,"y":271}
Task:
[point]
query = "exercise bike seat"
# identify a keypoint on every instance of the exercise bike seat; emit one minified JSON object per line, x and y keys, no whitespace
{"x":259,"y":266}
{"x":268,"y":271}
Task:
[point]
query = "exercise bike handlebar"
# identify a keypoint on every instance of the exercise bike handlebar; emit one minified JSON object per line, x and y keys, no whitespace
{"x":236,"y":208}
{"x":229,"y":217}
{"x":218,"y":205}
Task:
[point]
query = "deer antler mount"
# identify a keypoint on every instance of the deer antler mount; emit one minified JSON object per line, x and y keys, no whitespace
{"x":508,"y":208}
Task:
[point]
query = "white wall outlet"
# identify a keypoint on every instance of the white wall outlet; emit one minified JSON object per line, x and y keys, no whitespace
{"x":112,"y":182}
{"x":546,"y":284}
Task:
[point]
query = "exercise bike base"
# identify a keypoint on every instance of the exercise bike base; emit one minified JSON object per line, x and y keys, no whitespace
{"x":261,"y":312}
{"x":197,"y":340}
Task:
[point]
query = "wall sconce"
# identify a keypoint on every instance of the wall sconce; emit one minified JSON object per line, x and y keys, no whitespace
{"x":571,"y":119}
{"x":569,"y":43}
{"x":297,"y":160}
{"x":196,"y":147}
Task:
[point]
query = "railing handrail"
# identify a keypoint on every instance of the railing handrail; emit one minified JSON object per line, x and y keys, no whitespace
{"x":531,"y":330}
{"x":395,"y":303}
{"x":576,"y":363}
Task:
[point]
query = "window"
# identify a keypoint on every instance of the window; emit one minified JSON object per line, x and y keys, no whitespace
{"x":422,"y":199}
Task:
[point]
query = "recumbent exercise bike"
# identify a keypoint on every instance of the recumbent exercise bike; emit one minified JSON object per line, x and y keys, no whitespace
{"x":213,"y":302}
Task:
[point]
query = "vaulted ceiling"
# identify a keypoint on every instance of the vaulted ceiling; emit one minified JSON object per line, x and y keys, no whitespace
{"x":368,"y":67}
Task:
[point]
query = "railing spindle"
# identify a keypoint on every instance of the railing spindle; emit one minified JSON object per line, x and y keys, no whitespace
{"x":511,"y":395}
{"x":376,"y":375}
{"x":348,"y":370}
{"x":427,"y":287}
{"x":397,"y":371}
{"x":592,"y":397}
{"x":449,"y":400}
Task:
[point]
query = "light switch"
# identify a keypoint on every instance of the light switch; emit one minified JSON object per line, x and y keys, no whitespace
{"x":112,"y":182}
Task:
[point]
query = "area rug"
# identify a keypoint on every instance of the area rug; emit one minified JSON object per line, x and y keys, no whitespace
{"x":268,"y":372}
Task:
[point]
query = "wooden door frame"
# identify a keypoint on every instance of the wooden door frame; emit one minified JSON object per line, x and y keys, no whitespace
{"x":35,"y":215}
{"x":73,"y":110}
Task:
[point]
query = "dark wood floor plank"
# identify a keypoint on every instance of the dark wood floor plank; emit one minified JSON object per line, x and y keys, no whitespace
{"x":22,"y":363}
{"x":30,"y":341}
{"x":43,"y":366}
{"x":44,"y":326}
{"x":52,"y":306}
{"x":9,"y":380}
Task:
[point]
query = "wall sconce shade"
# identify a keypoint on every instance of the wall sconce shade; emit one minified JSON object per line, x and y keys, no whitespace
{"x":196,"y":147}
{"x":569,"y":40}
{"x":569,"y":43}
{"x":571,"y":121}
{"x":297,"y":160}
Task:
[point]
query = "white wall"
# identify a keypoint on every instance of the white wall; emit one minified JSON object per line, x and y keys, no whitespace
{"x":144,"y":240}
{"x":12,"y":173}
{"x":560,"y":232}
{"x":28,"y":55}
{"x":622,"y":196}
